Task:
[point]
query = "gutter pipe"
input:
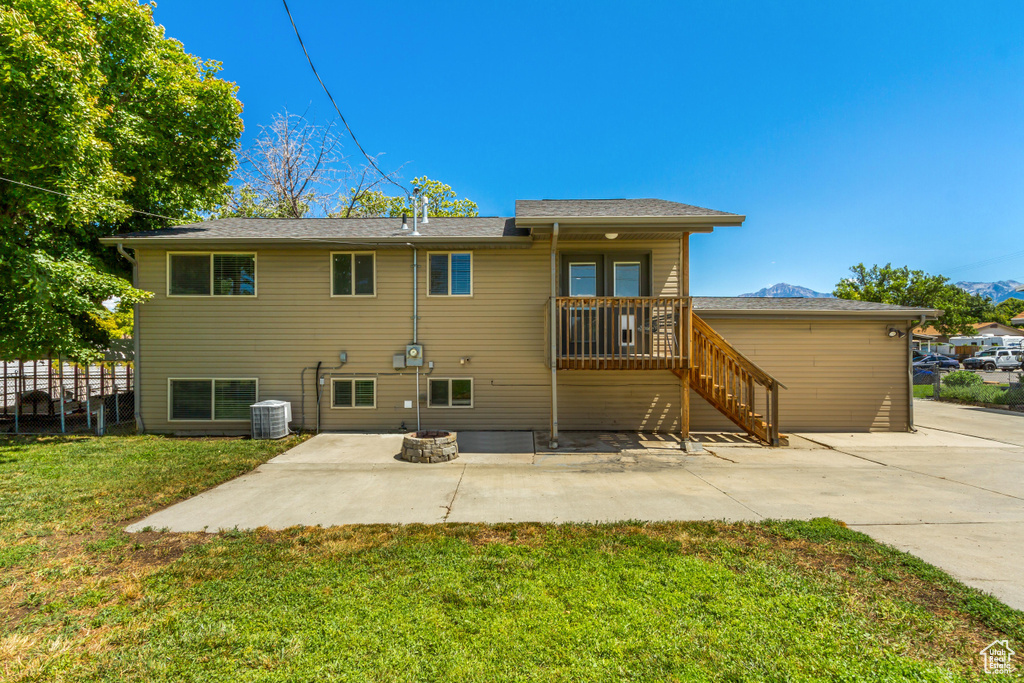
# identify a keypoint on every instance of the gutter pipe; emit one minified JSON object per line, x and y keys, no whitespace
{"x":554,"y":338}
{"x":910,"y":374}
{"x":140,"y":426}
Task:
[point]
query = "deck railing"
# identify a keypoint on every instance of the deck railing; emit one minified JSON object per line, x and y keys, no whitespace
{"x":622,"y":333}
{"x":732,"y":383}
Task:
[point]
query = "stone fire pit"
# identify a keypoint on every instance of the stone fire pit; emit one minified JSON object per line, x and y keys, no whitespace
{"x":429,"y":446}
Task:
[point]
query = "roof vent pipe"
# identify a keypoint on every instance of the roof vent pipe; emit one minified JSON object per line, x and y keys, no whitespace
{"x":405,"y":221}
{"x":426,"y":202}
{"x":415,"y":211}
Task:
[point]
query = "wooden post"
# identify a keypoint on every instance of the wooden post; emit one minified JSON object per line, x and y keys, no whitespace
{"x":685,"y":334}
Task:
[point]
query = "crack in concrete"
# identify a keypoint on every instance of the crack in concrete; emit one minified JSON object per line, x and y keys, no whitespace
{"x":448,"y":507}
{"x":738,"y":502}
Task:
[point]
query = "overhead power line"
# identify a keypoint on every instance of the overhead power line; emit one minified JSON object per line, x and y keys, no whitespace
{"x":62,"y":194}
{"x":336,"y":107}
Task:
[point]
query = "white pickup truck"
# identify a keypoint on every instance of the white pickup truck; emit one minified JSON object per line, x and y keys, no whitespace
{"x":994,"y":359}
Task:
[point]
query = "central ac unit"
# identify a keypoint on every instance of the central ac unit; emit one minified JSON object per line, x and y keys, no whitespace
{"x":270,"y":419}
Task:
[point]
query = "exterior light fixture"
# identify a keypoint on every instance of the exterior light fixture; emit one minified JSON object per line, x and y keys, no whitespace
{"x":893,"y":332}
{"x":611,"y":235}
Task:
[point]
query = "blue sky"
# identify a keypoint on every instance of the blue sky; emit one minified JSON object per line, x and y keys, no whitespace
{"x":846,"y":132}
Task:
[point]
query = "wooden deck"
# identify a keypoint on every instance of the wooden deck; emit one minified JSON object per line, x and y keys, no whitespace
{"x":622,"y":333}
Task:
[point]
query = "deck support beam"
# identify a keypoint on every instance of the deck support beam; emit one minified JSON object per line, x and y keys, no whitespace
{"x":686,"y":338}
{"x":553,"y":333}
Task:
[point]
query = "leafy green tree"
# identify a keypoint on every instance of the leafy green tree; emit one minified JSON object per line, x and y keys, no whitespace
{"x":906,"y":287}
{"x":97,"y":105}
{"x":442,"y":201}
{"x":1007,"y":310}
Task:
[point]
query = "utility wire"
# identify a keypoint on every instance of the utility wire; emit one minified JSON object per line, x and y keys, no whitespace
{"x":336,"y":108}
{"x":61,"y":194}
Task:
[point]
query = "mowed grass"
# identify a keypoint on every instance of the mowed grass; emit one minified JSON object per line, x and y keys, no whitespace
{"x":82,"y":600}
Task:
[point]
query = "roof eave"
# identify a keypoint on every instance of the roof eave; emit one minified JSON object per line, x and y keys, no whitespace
{"x":681,"y":222}
{"x":403,"y":240}
{"x":877,"y":314}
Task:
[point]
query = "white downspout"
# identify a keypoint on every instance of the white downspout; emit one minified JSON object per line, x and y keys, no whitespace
{"x":136,"y":333}
{"x":910,"y":375}
{"x":553,"y":333}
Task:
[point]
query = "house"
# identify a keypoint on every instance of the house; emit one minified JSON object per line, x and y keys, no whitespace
{"x":980,"y":329}
{"x":1018,"y":321}
{"x":570,"y":315}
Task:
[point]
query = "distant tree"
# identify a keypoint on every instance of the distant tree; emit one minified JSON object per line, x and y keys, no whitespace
{"x":906,"y":287}
{"x":295,"y":169}
{"x":1007,"y":310}
{"x":442,"y":201}
{"x":98,"y":105}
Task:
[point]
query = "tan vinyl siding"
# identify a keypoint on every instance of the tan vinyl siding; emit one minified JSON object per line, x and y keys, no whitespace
{"x":842,"y":375}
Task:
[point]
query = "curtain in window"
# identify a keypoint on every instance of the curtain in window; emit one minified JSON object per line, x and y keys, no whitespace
{"x":232,"y":398}
{"x":462,"y":274}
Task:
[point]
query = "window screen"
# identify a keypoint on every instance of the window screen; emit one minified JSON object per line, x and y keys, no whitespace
{"x":212,"y":274}
{"x":234,"y":274}
{"x":191,"y":399}
{"x":355,"y":393}
{"x":627,"y":279}
{"x":439,"y":274}
{"x":582,"y":279}
{"x":451,"y":274}
{"x":353,"y":274}
{"x":232,"y":398}
{"x":451,"y":392}
{"x":438,"y":392}
{"x":190,"y":274}
{"x":212,"y":399}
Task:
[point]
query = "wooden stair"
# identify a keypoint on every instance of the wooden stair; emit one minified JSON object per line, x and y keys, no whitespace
{"x":731,"y":382}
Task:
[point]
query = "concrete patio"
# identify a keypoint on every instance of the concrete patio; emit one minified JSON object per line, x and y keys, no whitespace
{"x":953,"y":493}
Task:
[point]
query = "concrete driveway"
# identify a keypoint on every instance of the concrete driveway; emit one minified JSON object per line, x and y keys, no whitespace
{"x":953,"y":493}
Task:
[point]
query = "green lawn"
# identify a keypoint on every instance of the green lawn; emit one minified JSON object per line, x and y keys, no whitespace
{"x":81,"y":600}
{"x":924,"y":391}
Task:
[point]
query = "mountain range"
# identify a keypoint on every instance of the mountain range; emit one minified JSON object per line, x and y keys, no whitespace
{"x":997,"y":291}
{"x":784,"y":290}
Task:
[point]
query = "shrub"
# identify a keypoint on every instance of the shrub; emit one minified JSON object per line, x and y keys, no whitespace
{"x":1012,"y":397}
{"x":962,"y":378}
{"x":985,"y":393}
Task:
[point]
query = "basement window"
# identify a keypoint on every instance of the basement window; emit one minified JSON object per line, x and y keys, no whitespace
{"x":353,"y":274}
{"x":211,"y":274}
{"x":451,"y":274}
{"x":205,"y":399}
{"x":451,"y":393}
{"x":354,"y":393}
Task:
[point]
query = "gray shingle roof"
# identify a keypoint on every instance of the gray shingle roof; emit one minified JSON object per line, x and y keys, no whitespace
{"x":555,"y":208}
{"x":797,"y":305}
{"x":334,"y":229}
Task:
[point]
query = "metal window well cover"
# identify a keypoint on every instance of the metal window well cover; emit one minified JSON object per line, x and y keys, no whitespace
{"x":270,"y":419}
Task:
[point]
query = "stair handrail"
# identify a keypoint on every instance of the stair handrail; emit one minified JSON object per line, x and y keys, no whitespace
{"x":700,"y":325}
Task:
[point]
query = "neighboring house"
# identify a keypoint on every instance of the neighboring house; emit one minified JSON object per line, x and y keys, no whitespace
{"x":1018,"y":321}
{"x":980,"y":329}
{"x":248,"y":309}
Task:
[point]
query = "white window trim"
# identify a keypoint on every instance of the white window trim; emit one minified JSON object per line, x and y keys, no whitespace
{"x":472,"y":274}
{"x":615,"y":276}
{"x":583,"y":263}
{"x":213,"y":399}
{"x":353,"y":295}
{"x":472,"y":392}
{"x":353,"y":380}
{"x":211,"y":295}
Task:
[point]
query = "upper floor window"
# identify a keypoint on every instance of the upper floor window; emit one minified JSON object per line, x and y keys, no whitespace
{"x":353,"y":274}
{"x":211,"y":274}
{"x":451,"y":274}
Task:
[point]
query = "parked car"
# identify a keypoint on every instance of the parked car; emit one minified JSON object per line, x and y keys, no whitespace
{"x":944,"y":362}
{"x":994,"y":359}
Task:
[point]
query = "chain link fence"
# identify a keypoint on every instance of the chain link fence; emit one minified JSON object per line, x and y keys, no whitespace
{"x":998,"y":389}
{"x":50,"y":397}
